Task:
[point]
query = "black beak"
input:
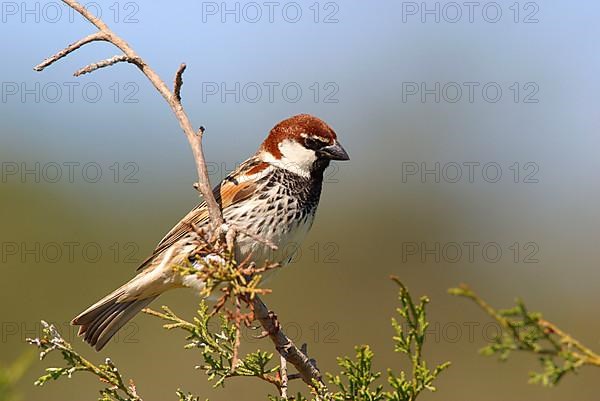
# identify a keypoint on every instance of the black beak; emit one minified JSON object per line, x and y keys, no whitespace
{"x":334,"y":152}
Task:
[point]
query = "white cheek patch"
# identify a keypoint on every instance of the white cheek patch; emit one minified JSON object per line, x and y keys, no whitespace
{"x":295,"y":158}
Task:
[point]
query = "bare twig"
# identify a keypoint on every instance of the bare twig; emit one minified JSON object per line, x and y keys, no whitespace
{"x":283,"y":389}
{"x":230,"y":238}
{"x":238,"y":334}
{"x":286,"y":348}
{"x":105,"y":63}
{"x":178,"y":82}
{"x":294,"y":376}
{"x":72,"y":47}
{"x":195,"y":139}
{"x":236,"y":349}
{"x":589,"y":356}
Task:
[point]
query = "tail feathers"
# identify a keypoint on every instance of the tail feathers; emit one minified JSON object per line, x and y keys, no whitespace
{"x":100,"y":322}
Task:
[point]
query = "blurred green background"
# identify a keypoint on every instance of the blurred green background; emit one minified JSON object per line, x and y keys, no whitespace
{"x":126,"y":174}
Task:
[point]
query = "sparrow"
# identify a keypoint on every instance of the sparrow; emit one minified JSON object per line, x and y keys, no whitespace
{"x":273,"y":196}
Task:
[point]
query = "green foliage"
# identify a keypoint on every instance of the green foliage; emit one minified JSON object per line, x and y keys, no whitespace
{"x":214,"y":264}
{"x":410,"y":342}
{"x":11,"y":374}
{"x":187,"y":396}
{"x":557,"y":352}
{"x":218,"y":348}
{"x":357,"y":380}
{"x":356,"y":377}
{"x":115,"y":388}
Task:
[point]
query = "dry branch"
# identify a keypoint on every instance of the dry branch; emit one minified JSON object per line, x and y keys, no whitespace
{"x":105,"y":63}
{"x":178,"y":83}
{"x":72,"y":47}
{"x":174,"y":101}
{"x":286,"y":348}
{"x":306,"y":368}
{"x":284,"y":377}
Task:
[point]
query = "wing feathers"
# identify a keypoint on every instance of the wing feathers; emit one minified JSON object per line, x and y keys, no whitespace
{"x":237,"y":187}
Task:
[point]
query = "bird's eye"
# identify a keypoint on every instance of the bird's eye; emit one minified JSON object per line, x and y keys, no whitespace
{"x":313,"y":143}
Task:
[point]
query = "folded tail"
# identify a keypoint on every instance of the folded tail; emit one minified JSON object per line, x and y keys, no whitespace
{"x":101,"y":321}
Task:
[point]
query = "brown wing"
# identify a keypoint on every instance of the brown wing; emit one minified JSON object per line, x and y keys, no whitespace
{"x":228,"y":192}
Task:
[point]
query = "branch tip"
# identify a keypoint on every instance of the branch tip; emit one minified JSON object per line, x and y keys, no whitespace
{"x":178,"y":82}
{"x":107,"y":63}
{"x":69,"y":49}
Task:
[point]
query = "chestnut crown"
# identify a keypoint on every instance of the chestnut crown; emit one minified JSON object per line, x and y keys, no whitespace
{"x":302,"y":143}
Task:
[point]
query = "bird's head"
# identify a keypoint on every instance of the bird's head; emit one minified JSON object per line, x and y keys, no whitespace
{"x":303,"y":144}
